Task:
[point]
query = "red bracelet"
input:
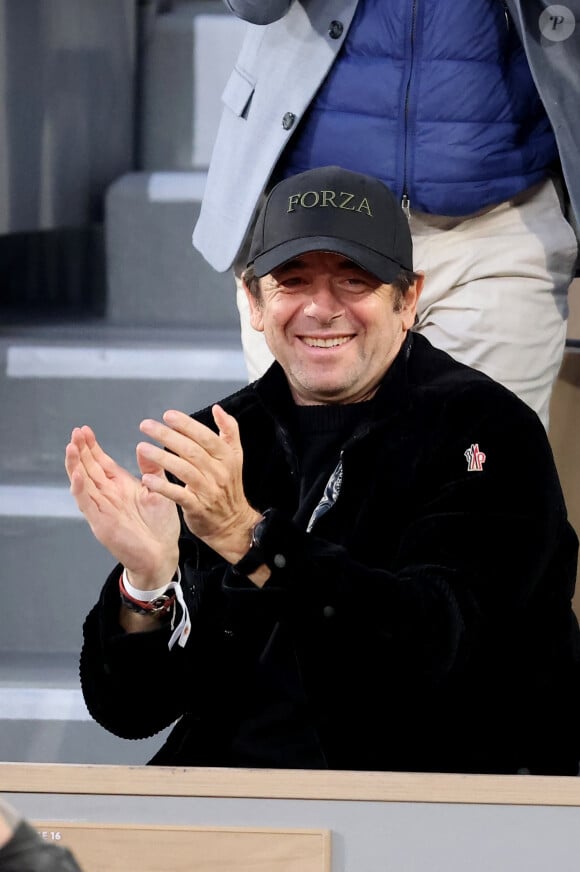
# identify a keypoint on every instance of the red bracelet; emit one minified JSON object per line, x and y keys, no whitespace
{"x":159,"y":606}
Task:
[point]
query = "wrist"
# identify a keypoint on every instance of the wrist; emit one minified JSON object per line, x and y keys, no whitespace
{"x":142,"y":609}
{"x":253,"y":562}
{"x":148,"y":581}
{"x":155,"y":603}
{"x":240,"y":541}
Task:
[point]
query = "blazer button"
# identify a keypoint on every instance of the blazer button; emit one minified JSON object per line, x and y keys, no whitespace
{"x":288,"y":120}
{"x":335,"y":30}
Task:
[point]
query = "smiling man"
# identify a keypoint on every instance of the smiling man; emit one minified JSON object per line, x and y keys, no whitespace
{"x":338,"y":294}
{"x":334,"y":327}
{"x":360,"y":561}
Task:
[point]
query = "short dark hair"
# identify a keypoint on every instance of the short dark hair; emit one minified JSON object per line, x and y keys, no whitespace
{"x":401,"y":283}
{"x":253,"y":282}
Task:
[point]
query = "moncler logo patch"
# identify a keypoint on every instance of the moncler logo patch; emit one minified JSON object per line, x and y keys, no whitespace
{"x":475,"y":458}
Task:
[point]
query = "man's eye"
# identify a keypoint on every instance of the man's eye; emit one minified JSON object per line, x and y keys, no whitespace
{"x":291,"y":282}
{"x":355,"y":283}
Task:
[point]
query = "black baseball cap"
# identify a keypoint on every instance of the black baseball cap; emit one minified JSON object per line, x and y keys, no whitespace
{"x":333,"y":209}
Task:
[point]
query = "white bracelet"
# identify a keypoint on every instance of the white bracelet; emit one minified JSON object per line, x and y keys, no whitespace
{"x":181,"y":632}
{"x":147,"y":596}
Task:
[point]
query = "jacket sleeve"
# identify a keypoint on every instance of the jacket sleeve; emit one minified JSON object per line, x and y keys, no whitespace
{"x":259,"y":11}
{"x":133,"y":685}
{"x":478,"y":551}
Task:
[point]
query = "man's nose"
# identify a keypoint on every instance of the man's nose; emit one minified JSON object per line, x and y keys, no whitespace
{"x":324,"y":305}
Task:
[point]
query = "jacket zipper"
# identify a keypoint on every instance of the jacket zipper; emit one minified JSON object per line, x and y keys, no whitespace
{"x":405,"y":199}
{"x":288,"y":450}
{"x":506,"y":15}
{"x":333,"y":486}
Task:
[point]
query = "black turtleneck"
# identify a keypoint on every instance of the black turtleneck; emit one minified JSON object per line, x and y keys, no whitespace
{"x":319,"y":433}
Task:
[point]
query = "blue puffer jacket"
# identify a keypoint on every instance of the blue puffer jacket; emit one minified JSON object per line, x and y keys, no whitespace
{"x":431,"y":98}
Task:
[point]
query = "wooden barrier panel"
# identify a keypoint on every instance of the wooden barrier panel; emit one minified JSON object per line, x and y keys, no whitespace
{"x":285,"y":821}
{"x":117,"y":848}
{"x":301,"y":784}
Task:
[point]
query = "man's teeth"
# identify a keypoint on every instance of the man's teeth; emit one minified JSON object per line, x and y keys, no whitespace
{"x":326,"y":343}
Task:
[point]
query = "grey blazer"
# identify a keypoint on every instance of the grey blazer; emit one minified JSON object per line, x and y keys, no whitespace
{"x":288,"y":49}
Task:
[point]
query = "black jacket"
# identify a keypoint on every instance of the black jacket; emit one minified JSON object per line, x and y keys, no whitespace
{"x":425,"y":622}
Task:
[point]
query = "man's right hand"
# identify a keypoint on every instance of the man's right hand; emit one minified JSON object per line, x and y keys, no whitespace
{"x":139,"y":527}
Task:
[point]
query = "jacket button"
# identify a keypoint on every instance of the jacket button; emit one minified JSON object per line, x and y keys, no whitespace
{"x":329,"y":611}
{"x":335,"y":30}
{"x":279,"y":561}
{"x":288,"y":120}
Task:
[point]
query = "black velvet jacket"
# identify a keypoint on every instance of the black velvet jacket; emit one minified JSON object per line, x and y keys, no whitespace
{"x":424,"y":623}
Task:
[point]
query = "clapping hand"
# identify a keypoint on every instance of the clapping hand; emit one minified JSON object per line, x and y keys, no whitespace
{"x":209,"y":465}
{"x":138,"y":525}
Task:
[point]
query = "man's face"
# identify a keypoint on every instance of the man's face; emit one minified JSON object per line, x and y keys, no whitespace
{"x":332,"y":326}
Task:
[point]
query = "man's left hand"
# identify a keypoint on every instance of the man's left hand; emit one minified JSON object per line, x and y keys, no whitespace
{"x":213,"y":501}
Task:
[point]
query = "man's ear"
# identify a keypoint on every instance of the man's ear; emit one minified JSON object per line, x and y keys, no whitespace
{"x":256,"y":316}
{"x":410,"y":301}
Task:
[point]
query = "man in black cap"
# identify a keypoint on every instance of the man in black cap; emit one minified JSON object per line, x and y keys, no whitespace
{"x":370,"y":564}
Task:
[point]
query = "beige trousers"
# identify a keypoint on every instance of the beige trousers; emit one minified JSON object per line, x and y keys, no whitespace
{"x":495,"y":293}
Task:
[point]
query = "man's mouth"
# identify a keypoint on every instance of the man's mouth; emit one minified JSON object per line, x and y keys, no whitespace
{"x":330,"y":342}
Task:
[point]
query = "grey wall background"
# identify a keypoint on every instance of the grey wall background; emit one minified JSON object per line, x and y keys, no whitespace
{"x":108,"y":109}
{"x":67,"y":79}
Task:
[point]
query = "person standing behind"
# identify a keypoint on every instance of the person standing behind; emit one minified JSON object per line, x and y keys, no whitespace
{"x":465,"y":110}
